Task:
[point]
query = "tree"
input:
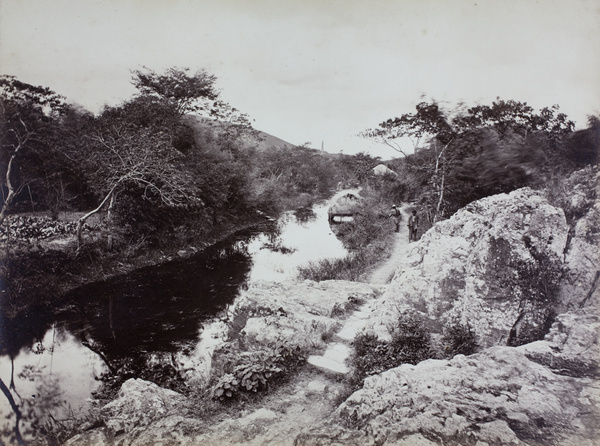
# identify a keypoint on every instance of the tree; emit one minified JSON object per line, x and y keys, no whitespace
{"x":517,"y":117}
{"x":186,"y":93}
{"x":428,"y":121}
{"x":360,"y":165}
{"x":507,"y":132}
{"x":28,"y":117}
{"x":120,"y":155}
{"x":195,"y":93}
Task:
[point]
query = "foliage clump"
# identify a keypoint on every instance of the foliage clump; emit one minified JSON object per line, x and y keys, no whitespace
{"x":458,"y":339}
{"x":257,"y":371}
{"x":539,"y":282}
{"x":410,"y":344}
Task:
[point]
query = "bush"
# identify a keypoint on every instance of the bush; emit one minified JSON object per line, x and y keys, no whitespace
{"x":410,"y":344}
{"x":458,"y":339}
{"x":350,"y":267}
{"x":257,"y":372}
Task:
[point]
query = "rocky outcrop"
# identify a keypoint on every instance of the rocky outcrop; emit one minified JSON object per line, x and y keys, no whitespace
{"x":294,"y":313}
{"x":580,"y":286}
{"x":498,"y":397}
{"x":572,"y":347}
{"x":546,"y":392}
{"x":472,"y":268}
{"x":141,"y":411}
{"x":477,"y":268}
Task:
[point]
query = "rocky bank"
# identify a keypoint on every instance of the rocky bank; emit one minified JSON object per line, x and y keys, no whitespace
{"x":513,"y":267}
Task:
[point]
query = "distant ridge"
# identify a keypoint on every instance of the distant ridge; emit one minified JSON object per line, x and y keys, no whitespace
{"x":262,"y":143}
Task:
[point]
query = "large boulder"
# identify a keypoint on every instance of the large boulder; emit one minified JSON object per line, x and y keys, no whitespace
{"x":138,"y":404}
{"x":480,"y":268}
{"x":143,"y":413}
{"x":497,"y":397}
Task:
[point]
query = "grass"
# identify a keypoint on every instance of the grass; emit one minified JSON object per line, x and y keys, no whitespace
{"x":369,"y":238}
{"x":355,"y":267}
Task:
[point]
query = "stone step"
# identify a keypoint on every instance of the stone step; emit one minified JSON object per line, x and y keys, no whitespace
{"x":360,"y":315}
{"x":350,"y":328}
{"x":328,"y":364}
{"x":333,"y":359}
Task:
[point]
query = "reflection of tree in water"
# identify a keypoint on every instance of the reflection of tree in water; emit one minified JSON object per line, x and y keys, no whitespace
{"x":136,"y":324}
{"x":155,"y":312}
{"x":26,"y":330}
{"x":41,"y":413}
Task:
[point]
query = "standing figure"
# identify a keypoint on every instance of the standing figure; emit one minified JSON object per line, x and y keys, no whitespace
{"x":413,"y":226}
{"x":395,"y":214}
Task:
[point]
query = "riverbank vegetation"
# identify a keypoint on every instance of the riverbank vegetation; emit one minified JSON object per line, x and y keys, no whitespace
{"x":369,"y":238}
{"x":173,"y":168}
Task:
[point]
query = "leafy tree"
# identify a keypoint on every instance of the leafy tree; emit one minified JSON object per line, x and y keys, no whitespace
{"x":28,"y":118}
{"x":360,"y":165}
{"x":483,"y":150}
{"x":517,"y":117}
{"x":429,"y":121}
{"x":187,"y":93}
{"x":119,"y":156}
{"x":583,"y":146}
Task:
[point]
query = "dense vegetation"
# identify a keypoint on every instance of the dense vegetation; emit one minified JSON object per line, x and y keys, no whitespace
{"x":464,"y":155}
{"x":170,"y":168}
{"x":148,"y":162}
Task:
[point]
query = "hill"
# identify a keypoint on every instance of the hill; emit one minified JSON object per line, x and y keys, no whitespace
{"x":262,"y":142}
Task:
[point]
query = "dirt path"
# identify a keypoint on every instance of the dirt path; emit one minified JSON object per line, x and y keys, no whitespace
{"x":384,"y":273}
{"x":313,"y":394}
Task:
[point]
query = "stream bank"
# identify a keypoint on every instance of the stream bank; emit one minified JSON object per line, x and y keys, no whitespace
{"x":541,"y":392}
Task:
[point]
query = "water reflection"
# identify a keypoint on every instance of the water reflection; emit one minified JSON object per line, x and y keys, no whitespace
{"x":130,"y":325}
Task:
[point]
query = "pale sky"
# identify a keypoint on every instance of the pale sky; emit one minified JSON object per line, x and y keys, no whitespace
{"x":316,"y":70}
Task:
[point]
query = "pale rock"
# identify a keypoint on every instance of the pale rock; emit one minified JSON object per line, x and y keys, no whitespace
{"x":410,"y":440}
{"x":260,"y":415}
{"x":174,"y":430}
{"x":139,"y":403}
{"x":497,"y":396}
{"x":463,"y":269}
{"x":91,"y":438}
{"x":581,"y":282}
{"x":317,"y":387}
{"x":293,"y":313}
{"x":572,"y":347}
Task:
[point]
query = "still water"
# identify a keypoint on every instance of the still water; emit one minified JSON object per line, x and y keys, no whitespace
{"x":54,"y":360}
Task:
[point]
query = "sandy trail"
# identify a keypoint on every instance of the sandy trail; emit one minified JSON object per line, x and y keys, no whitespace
{"x":311,"y":396}
{"x":384,"y":273}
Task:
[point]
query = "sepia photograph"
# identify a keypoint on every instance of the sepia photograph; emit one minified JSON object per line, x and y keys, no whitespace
{"x":300,"y":222}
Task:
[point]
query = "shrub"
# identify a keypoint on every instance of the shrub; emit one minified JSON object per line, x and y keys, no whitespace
{"x":410,"y":344}
{"x":458,"y":339}
{"x":256,"y":372}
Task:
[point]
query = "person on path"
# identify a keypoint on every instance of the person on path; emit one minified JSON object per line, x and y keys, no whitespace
{"x":395,"y":214}
{"x":413,"y":226}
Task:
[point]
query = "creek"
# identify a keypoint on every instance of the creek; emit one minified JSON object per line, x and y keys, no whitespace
{"x":144,"y":319}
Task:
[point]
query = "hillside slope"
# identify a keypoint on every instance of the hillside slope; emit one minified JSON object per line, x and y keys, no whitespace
{"x":263,"y":141}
